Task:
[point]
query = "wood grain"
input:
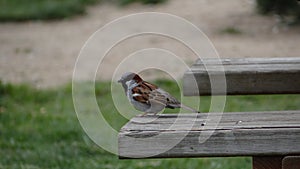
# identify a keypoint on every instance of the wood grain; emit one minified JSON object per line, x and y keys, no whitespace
{"x":237,"y":134}
{"x":243,"y":76}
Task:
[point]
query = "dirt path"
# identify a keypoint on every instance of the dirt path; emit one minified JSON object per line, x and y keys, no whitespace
{"x":44,"y":53}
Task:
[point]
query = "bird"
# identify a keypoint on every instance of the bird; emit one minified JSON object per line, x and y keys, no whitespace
{"x":147,"y":97}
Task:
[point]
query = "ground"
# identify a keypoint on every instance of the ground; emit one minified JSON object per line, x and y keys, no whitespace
{"x":44,"y":53}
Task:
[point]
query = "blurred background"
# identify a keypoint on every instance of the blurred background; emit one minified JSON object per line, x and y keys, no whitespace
{"x":42,"y":48}
{"x":41,"y":39}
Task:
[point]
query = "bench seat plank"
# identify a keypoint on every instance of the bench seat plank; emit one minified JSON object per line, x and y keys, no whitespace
{"x":274,"y":133}
{"x":244,"y":76}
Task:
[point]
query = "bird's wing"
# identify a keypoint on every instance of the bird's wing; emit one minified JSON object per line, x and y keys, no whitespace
{"x":168,"y":99}
{"x":172,"y":102}
{"x":147,"y":93}
{"x":157,"y":101}
{"x":158,"y":97}
{"x":142,"y":92}
{"x":150,"y":94}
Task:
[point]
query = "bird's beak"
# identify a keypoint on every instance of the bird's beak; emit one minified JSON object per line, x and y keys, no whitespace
{"x":120,"y":80}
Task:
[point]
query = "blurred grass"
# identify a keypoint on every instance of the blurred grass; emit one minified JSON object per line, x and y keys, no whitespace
{"x":126,"y":2}
{"x":231,"y":30}
{"x":24,"y":10}
{"x":39,"y":130}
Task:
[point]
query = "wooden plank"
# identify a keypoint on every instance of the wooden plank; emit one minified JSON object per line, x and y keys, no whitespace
{"x":237,"y":134}
{"x":247,"y":61}
{"x":243,"y":76}
{"x":291,"y":162}
{"x":274,"y":162}
{"x":253,"y":120}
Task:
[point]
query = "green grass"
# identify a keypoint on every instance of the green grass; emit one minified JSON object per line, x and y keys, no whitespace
{"x":39,"y":130}
{"x":231,"y":31}
{"x":126,"y":2}
{"x":22,"y":10}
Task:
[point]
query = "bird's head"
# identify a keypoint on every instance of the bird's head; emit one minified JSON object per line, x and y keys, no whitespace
{"x":128,"y":76}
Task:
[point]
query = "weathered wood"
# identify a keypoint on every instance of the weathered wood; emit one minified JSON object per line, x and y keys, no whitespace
{"x":274,"y":162}
{"x":291,"y":162}
{"x":237,"y":134}
{"x":243,"y":76}
{"x":246,"y":61}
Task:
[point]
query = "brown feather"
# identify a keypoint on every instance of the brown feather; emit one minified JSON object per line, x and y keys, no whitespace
{"x":137,"y":78}
{"x":149,"y":85}
{"x":144,"y":94}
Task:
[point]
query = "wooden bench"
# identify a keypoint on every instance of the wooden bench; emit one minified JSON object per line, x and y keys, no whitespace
{"x":272,"y":139}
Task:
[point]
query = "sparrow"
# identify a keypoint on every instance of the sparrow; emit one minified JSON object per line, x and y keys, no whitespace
{"x":147,"y":97}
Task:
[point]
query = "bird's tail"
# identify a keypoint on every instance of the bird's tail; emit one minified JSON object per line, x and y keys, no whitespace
{"x":190,"y":109}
